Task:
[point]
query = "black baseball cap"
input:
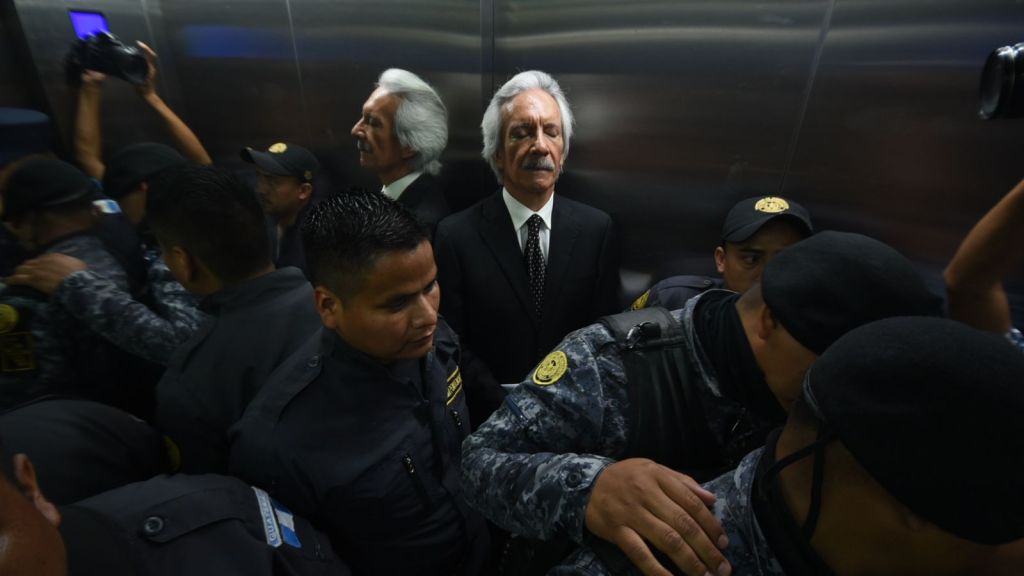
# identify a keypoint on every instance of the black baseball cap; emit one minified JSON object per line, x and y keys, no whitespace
{"x":44,"y":183}
{"x":832,"y":282}
{"x":284,"y":159}
{"x":930,"y":408}
{"x":748,"y":216}
{"x":23,"y":132}
{"x":137,"y":163}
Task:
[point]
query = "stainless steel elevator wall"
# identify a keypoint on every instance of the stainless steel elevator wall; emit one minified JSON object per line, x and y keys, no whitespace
{"x":863,"y":110}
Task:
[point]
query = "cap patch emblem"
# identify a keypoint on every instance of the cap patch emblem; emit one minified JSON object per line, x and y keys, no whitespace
{"x":278,"y":148}
{"x":308,"y":175}
{"x":771,"y":205}
{"x":551,"y":368}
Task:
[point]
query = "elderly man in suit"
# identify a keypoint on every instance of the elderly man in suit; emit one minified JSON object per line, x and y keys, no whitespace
{"x":400,"y":136}
{"x":524,"y":266}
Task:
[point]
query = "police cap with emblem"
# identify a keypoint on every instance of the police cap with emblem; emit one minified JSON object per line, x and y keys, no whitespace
{"x":931,"y":409}
{"x":284,"y":159}
{"x":137,"y":163}
{"x":45,"y":183}
{"x":824,"y":286}
{"x":750,"y":215}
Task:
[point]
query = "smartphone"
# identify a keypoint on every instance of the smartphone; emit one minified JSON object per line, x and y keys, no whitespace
{"x":88,"y":22}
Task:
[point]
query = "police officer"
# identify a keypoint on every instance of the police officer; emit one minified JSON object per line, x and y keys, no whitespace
{"x":561,"y":456}
{"x":82,"y":448}
{"x":871,"y":436}
{"x":285,"y":175}
{"x":753,"y":233}
{"x":48,"y":205}
{"x":361,"y":429}
{"x":149,"y":323}
{"x":211,"y":227}
{"x":23,"y":133}
{"x":169,"y":525}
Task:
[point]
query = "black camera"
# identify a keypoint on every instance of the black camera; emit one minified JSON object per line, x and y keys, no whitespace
{"x":1002,"y":84}
{"x":103,"y":52}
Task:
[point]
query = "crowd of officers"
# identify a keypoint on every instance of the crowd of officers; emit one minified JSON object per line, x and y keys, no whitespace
{"x":198,"y":377}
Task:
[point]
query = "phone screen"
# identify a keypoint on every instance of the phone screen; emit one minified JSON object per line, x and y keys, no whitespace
{"x":87,"y":23}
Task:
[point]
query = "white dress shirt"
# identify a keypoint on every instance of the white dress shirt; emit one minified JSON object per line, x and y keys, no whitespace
{"x":520,"y":214}
{"x":395,"y":189}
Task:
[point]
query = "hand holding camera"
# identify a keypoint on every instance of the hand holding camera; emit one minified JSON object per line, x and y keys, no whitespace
{"x":105,"y":53}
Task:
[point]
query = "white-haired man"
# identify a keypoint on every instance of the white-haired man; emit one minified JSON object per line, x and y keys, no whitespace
{"x":400,"y":136}
{"x":524,"y":266}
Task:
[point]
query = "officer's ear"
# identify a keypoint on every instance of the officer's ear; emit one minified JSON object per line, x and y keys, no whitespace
{"x":767,"y":324}
{"x":720,"y":259}
{"x":25,"y":477}
{"x":305,"y":191}
{"x":328,"y":305}
{"x":181,"y":263}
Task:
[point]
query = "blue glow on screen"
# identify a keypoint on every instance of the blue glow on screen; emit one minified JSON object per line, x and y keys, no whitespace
{"x":88,"y":23}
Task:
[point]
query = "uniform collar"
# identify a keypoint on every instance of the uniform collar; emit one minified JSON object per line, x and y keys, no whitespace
{"x":251,"y":291}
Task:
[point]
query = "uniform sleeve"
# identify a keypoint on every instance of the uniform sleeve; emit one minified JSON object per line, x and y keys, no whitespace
{"x":531,"y":467}
{"x":128,"y":323}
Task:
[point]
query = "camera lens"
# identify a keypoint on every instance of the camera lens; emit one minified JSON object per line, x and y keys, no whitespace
{"x":1001,"y":93}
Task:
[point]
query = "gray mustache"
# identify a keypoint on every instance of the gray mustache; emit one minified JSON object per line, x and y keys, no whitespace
{"x":362,"y":146}
{"x":539,"y":163}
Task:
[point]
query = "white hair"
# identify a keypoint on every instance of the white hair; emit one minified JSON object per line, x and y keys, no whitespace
{"x":421,"y":121}
{"x":529,"y":80}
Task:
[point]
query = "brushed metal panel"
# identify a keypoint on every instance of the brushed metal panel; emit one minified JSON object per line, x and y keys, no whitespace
{"x":891,"y":143}
{"x":237,"y":70}
{"x":683,"y":108}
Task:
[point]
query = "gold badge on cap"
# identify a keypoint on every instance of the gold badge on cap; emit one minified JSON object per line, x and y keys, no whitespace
{"x":771,"y":205}
{"x":551,"y":368}
{"x":278,"y":148}
{"x":308,"y":175}
{"x":8,"y":318}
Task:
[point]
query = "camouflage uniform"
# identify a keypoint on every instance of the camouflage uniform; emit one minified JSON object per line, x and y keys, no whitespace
{"x":106,"y":307}
{"x":43,"y":348}
{"x":1016,"y":338}
{"x":530,"y":468}
{"x":748,"y":551}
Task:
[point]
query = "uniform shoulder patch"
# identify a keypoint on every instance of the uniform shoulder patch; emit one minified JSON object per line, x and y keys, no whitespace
{"x":454,"y":386}
{"x":8,"y":318}
{"x":641,"y":302}
{"x":551,"y":368}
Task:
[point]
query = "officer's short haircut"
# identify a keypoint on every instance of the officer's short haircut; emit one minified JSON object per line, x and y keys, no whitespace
{"x":214,"y":216}
{"x":345,"y":234}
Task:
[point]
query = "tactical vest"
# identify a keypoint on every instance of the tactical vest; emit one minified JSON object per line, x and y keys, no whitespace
{"x":668,"y":425}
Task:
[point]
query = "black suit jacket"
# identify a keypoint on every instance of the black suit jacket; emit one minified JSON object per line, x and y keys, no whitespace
{"x":425,"y":199}
{"x":485,"y":285}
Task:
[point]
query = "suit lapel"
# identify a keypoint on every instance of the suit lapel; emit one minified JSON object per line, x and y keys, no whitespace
{"x":565,"y":229}
{"x":413,"y":194}
{"x":499,"y":237}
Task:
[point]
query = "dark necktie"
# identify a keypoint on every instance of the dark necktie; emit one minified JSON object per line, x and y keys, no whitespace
{"x":535,"y":263}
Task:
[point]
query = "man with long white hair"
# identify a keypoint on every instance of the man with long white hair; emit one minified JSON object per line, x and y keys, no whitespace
{"x":524,"y":266}
{"x":400,"y":135}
